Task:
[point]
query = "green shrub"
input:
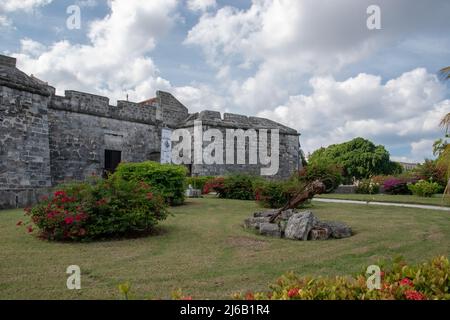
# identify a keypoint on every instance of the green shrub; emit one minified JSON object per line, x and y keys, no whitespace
{"x":368,"y":186}
{"x":329,"y":174}
{"x":100,"y":209}
{"x":433,"y":170}
{"x":399,"y":281}
{"x":240,"y":187}
{"x":198,"y":182}
{"x":275,"y":194}
{"x":425,"y":188}
{"x":169,"y":179}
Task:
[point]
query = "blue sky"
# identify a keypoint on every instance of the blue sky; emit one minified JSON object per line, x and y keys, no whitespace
{"x":314,"y":67}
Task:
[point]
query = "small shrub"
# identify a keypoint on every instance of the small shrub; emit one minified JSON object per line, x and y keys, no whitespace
{"x":214,"y":185}
{"x":240,"y":187}
{"x":367,"y":186}
{"x":169,"y":179}
{"x":103,"y":208}
{"x":425,"y":188}
{"x":400,"y":281}
{"x":329,"y":174}
{"x":396,"y":186}
{"x":432,"y":170}
{"x":198,"y":182}
{"x":275,"y":194}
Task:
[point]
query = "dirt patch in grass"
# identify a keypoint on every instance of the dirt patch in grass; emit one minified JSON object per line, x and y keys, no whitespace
{"x":246,"y":242}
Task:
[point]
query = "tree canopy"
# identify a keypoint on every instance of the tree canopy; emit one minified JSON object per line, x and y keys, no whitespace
{"x":359,"y":158}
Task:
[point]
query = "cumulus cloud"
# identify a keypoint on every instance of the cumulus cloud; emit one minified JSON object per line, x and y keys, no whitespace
{"x":201,"y":5}
{"x":22,"y":5}
{"x":283,"y":42}
{"x":404,"y":111}
{"x":116,"y":62}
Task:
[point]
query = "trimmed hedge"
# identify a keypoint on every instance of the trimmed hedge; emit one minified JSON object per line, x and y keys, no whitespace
{"x":168,"y":179}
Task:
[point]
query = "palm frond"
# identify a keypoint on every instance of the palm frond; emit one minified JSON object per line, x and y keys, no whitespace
{"x":445,"y":122}
{"x":445,"y":73}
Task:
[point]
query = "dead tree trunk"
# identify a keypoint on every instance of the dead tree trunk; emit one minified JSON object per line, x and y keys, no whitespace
{"x":313,"y":188}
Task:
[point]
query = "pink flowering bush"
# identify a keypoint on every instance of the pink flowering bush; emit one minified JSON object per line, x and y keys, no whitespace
{"x":397,"y":186}
{"x":99,"y":209}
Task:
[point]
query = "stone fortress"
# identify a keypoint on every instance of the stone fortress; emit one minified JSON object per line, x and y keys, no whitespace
{"x":46,"y":139}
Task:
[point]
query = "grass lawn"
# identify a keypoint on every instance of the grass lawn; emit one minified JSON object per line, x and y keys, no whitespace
{"x":436,"y":200}
{"x":203,"y":249}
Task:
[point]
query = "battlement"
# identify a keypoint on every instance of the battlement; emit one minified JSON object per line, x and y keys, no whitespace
{"x":95,"y":105}
{"x":8,"y":61}
{"x":230,"y":120}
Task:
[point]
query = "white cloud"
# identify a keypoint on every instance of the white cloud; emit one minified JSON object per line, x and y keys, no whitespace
{"x":116,"y":62}
{"x":200,"y":97}
{"x":282,"y":42}
{"x":87,"y":3}
{"x":404,"y":111}
{"x":22,"y":5}
{"x":5,"y":22}
{"x":201,"y":5}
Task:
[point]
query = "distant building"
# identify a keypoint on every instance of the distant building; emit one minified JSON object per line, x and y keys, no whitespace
{"x":408,"y":166}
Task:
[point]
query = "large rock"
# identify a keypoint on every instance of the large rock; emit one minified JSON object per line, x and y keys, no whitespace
{"x":299,"y":226}
{"x":338,"y":230}
{"x":254,"y":222}
{"x":270,"y":229}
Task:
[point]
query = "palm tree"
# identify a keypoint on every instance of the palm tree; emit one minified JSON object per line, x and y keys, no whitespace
{"x":445,"y":123}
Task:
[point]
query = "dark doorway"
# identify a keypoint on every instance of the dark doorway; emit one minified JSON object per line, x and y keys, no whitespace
{"x":112,"y":160}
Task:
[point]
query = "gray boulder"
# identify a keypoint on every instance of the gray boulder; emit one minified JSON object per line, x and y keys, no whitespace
{"x":270,"y":229}
{"x":338,"y":230}
{"x":254,"y":222}
{"x":299,"y":225}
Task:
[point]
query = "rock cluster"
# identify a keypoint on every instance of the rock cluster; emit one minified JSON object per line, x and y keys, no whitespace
{"x":295,"y":225}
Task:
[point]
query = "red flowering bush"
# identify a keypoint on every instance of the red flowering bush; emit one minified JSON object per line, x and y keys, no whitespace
{"x":399,"y":281}
{"x":98,"y":209}
{"x":214,"y":185}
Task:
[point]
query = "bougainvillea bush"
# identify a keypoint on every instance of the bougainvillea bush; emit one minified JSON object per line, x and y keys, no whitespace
{"x":100,"y":208}
{"x":397,"y":186}
{"x":399,"y":281}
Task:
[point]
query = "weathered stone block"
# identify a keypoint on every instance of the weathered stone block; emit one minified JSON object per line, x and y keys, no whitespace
{"x":270,"y":229}
{"x":254,"y":222}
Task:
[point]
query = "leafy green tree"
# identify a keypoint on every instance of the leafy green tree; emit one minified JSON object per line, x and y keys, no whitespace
{"x":359,"y":158}
{"x":444,"y":157}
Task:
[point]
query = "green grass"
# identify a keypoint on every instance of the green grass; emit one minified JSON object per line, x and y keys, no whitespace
{"x":436,"y":200}
{"x":203,"y":250}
